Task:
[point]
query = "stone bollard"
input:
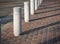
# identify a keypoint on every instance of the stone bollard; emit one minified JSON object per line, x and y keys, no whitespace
{"x":36,"y":4}
{"x":17,"y":21}
{"x":41,"y":1}
{"x":26,"y":11}
{"x":31,"y":7}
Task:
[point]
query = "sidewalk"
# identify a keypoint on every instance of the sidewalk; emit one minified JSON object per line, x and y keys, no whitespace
{"x":43,"y":28}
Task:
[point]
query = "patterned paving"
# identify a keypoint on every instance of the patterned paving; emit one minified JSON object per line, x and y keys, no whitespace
{"x":43,"y":28}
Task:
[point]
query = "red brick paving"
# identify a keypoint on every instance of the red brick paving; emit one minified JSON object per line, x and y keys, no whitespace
{"x":43,"y":28}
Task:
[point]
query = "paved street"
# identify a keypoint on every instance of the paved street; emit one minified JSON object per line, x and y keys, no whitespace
{"x":43,"y":28}
{"x":6,"y":8}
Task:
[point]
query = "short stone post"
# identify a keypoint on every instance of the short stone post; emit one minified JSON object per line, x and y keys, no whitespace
{"x":26,"y":11}
{"x":36,"y":4}
{"x":41,"y":1}
{"x":17,"y":21}
{"x":31,"y":7}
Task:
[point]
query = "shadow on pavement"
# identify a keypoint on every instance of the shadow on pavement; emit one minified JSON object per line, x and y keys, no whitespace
{"x":45,"y":17}
{"x":47,"y":11}
{"x":47,"y":7}
{"x":39,"y":28}
{"x":51,"y":41}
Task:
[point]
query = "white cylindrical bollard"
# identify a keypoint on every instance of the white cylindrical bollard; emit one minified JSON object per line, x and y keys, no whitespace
{"x":26,"y":11}
{"x":36,"y":4}
{"x":31,"y":7}
{"x":17,"y":21}
{"x":41,"y":1}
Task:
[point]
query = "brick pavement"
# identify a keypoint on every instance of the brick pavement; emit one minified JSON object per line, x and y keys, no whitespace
{"x":43,"y":28}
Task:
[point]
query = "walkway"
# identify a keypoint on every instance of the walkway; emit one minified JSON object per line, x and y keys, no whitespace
{"x":43,"y":28}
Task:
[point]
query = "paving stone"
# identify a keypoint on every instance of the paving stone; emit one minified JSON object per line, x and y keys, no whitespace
{"x":43,"y":28}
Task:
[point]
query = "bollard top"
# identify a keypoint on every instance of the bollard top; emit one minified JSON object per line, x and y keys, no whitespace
{"x":17,"y":7}
{"x":17,"y":10}
{"x":26,"y":2}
